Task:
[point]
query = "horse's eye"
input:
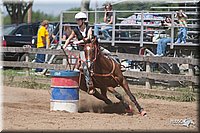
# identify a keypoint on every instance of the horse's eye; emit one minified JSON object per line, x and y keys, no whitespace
{"x":88,"y":48}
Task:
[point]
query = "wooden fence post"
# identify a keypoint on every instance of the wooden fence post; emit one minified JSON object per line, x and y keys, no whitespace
{"x":148,"y":83}
{"x":26,"y":60}
{"x":64,"y":60}
{"x":191,"y":73}
{"x":142,"y":29}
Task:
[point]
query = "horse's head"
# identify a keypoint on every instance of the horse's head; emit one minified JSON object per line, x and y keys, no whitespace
{"x":91,"y":51}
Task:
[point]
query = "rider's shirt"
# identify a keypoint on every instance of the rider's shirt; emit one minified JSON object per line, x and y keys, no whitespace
{"x":81,"y":34}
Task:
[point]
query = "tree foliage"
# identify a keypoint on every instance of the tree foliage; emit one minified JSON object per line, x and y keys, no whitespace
{"x":37,"y":16}
{"x":85,"y":4}
{"x":17,"y":10}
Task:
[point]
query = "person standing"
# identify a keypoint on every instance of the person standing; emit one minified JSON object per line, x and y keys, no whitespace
{"x":182,"y":19}
{"x":42,"y":41}
{"x":108,"y":20}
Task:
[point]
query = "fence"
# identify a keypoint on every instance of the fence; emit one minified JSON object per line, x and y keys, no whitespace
{"x":148,"y":75}
{"x":135,"y":24}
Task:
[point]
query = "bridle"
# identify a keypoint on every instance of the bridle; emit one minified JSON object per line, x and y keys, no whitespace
{"x":91,"y":47}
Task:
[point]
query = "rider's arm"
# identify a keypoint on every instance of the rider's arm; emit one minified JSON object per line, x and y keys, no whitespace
{"x":69,"y":38}
{"x":105,"y":17}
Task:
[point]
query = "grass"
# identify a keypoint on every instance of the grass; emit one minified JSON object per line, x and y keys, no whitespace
{"x":13,"y":78}
{"x":185,"y":97}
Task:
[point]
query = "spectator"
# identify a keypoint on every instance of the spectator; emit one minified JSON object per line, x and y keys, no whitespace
{"x":42,"y":42}
{"x":182,"y":19}
{"x":67,"y":32}
{"x":108,"y":20}
{"x":162,"y":42}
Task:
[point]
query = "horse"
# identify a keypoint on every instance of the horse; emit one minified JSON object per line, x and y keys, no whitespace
{"x":106,"y":74}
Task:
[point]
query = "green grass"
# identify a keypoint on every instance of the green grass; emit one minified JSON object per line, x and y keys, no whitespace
{"x":185,"y":97}
{"x":11,"y":75}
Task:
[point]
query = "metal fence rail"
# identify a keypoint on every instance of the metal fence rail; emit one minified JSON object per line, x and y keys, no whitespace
{"x":94,"y":17}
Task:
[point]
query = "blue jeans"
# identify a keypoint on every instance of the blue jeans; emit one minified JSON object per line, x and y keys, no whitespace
{"x":104,"y":31}
{"x":40,"y":58}
{"x":182,"y":35}
{"x":162,"y":44}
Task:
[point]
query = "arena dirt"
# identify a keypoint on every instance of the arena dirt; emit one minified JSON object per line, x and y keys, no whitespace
{"x":29,"y":109}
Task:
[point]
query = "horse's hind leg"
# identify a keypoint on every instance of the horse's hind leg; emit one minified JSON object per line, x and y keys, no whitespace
{"x":119,"y":96}
{"x":124,"y":84}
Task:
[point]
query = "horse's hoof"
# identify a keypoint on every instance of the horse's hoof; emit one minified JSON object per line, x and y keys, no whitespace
{"x":143,"y":113}
{"x":130,"y":110}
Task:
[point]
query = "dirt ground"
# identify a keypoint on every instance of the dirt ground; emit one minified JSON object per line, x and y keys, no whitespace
{"x":29,"y":109}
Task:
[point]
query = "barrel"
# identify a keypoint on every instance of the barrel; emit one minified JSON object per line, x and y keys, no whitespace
{"x":64,"y":91}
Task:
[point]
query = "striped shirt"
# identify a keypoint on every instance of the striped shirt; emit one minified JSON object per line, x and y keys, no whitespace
{"x":182,"y":22}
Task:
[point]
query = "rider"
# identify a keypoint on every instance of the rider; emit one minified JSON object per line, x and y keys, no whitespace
{"x":83,"y":31}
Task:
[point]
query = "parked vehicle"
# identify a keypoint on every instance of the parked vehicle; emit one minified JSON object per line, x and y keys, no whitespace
{"x":19,"y":36}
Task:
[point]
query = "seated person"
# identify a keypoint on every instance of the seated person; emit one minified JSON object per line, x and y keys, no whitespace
{"x":67,"y":31}
{"x":162,"y":42}
{"x":108,"y":20}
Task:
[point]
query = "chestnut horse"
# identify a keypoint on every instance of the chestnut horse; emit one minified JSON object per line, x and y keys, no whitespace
{"x":106,"y":75}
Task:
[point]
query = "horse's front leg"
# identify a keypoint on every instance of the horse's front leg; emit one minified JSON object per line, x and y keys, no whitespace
{"x":119,"y":97}
{"x":102,"y":96}
{"x":96,"y":93}
{"x":124,"y":84}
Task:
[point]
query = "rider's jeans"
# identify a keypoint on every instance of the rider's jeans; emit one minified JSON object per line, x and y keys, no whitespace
{"x":108,"y":53}
{"x":104,"y":51}
{"x":85,"y":69}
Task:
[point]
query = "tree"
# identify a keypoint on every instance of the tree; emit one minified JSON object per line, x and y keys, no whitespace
{"x":17,"y":9}
{"x":85,"y":4}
